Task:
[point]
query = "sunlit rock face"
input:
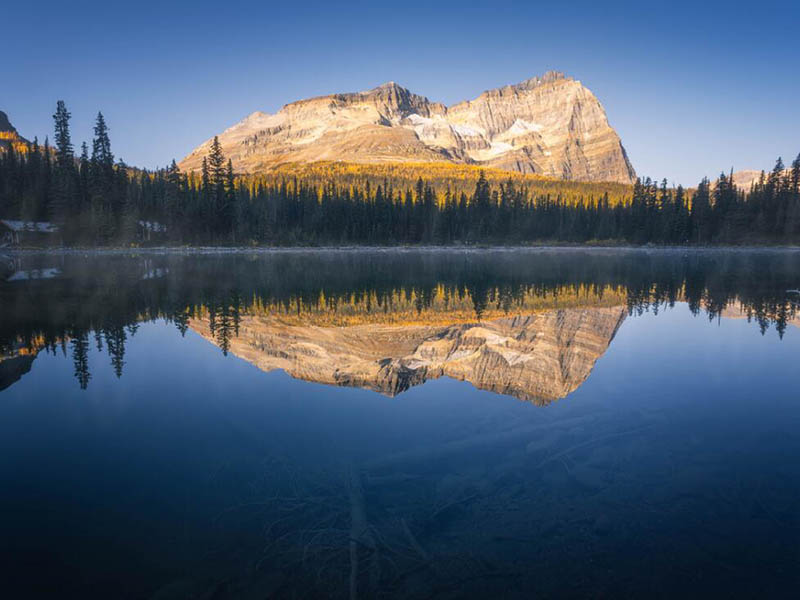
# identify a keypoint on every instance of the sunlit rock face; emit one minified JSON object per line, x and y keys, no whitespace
{"x":550,"y":125}
{"x":539,"y":357}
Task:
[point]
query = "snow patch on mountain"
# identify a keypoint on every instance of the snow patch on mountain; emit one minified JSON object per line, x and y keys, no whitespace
{"x":522,"y":126}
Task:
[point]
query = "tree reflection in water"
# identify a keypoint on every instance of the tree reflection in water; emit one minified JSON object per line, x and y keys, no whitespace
{"x":107,"y":295}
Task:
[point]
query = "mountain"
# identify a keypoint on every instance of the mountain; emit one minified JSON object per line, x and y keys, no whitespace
{"x":550,"y":125}
{"x":745,"y":178}
{"x":539,"y":357}
{"x":9,"y":136}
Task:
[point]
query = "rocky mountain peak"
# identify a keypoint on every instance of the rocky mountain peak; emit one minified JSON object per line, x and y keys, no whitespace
{"x":548,"y":77}
{"x":398,"y":100}
{"x":9,"y":138}
{"x":550,"y":125}
{"x":5,"y":124}
{"x":389,"y":85}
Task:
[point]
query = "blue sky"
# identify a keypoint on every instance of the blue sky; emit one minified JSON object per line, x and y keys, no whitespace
{"x":692,"y":88}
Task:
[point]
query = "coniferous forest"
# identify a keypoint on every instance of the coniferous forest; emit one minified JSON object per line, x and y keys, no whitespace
{"x":98,"y":201}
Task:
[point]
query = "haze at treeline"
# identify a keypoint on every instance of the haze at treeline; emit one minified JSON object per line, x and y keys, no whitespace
{"x":98,"y":201}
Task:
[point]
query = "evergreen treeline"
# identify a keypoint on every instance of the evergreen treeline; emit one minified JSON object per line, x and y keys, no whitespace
{"x":98,"y":202}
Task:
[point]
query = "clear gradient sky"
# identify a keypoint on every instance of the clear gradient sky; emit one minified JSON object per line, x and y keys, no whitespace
{"x":691,"y":87}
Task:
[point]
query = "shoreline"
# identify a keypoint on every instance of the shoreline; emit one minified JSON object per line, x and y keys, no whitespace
{"x":197,"y":250}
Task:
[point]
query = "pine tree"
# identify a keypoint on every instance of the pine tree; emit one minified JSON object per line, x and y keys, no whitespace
{"x":772,"y":199}
{"x":64,"y":199}
{"x":45,"y":200}
{"x":204,"y":203}
{"x":64,"y":150}
{"x":216,"y":163}
{"x":173,"y":193}
{"x":31,"y":198}
{"x":701,"y":212}
{"x":107,"y":203}
{"x":101,"y":145}
{"x":480,"y":205}
{"x":216,"y":193}
{"x":227,"y":215}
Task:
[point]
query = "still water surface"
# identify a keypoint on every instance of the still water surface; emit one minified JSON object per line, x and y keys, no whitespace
{"x":418,"y":424}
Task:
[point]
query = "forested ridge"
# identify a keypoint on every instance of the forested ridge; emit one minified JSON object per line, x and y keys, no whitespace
{"x":99,"y":201}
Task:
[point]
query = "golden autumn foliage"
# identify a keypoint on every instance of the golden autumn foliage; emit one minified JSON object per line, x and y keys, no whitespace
{"x":10,"y":138}
{"x":439,"y":175}
{"x":407,"y":306}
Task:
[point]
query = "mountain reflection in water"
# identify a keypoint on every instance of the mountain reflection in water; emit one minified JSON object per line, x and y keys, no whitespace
{"x":530,"y":324}
{"x":540,"y":357}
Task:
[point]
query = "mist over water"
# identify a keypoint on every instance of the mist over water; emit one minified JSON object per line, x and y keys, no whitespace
{"x":414,"y":424}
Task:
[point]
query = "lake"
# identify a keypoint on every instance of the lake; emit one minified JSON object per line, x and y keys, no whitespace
{"x":400,"y":423}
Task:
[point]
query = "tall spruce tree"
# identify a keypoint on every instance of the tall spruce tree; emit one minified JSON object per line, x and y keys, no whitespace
{"x":64,"y":200}
{"x":701,"y":212}
{"x":227,"y":214}
{"x":101,"y":145}
{"x":217,"y":179}
{"x":65,"y":154}
{"x":481,"y":206}
{"x":106,"y":200}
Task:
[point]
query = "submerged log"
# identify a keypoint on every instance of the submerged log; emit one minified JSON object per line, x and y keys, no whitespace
{"x":360,"y":533}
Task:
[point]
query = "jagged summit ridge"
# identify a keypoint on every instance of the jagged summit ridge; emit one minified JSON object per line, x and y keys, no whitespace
{"x":548,"y":77}
{"x":551,"y":125}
